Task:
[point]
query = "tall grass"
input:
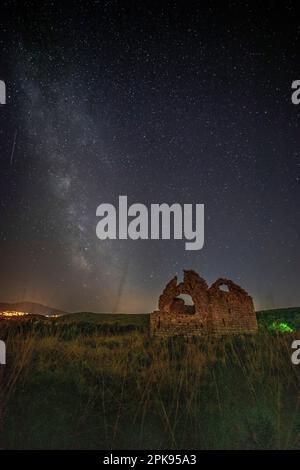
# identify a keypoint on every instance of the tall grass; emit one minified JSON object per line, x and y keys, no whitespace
{"x":129,"y":391}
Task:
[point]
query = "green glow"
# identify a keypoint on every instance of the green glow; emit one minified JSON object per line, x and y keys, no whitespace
{"x":283,"y":327}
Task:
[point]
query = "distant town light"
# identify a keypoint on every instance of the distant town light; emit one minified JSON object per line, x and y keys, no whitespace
{"x":13,"y":313}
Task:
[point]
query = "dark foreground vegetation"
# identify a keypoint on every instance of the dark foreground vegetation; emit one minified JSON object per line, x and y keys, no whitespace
{"x":78,"y":383}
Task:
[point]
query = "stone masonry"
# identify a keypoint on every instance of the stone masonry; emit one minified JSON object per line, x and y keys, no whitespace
{"x":222,"y":308}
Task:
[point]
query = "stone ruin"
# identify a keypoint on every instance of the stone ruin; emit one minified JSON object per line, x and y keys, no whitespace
{"x":223,"y":308}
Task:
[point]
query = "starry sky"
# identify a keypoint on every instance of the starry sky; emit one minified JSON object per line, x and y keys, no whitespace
{"x":162,"y":103}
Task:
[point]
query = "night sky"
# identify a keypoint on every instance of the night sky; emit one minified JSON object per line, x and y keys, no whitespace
{"x":162,"y":104}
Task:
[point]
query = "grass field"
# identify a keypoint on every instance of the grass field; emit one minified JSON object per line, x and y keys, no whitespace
{"x":139,"y":320}
{"x":91,"y":381}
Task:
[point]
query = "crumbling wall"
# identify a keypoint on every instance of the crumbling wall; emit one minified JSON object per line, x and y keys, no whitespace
{"x":176,"y":318}
{"x":232,"y":311}
{"x":215,"y":311}
{"x":166,"y":324}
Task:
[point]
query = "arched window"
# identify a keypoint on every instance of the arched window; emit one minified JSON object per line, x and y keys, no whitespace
{"x":224,"y":287}
{"x":183,"y":303}
{"x":186,"y":298}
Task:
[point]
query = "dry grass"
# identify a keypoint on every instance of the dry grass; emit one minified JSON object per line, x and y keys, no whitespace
{"x":130,"y":392}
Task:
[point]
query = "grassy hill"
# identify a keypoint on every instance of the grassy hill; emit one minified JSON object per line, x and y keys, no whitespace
{"x":73,"y":387}
{"x":290,"y":316}
{"x":92,"y":381}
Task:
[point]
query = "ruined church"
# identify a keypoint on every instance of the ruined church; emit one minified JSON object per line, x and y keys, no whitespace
{"x":223,"y":308}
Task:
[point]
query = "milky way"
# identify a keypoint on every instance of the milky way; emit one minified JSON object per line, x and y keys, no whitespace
{"x":161,"y":105}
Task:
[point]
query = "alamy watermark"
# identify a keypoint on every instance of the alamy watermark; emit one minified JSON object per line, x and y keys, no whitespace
{"x":2,"y":353}
{"x":296,"y":354}
{"x":296,"y":94}
{"x":2,"y":92}
{"x":161,"y":221}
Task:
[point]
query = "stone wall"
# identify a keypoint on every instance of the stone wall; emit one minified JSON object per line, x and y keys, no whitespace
{"x":216,"y":311}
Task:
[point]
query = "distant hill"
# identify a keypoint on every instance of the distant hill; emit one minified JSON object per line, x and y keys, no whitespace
{"x":291,"y":315}
{"x":42,"y":310}
{"x":32,"y":308}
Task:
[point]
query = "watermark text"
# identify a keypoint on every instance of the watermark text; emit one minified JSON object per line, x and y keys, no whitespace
{"x":160,"y":221}
{"x":2,"y":92}
{"x":2,"y":353}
